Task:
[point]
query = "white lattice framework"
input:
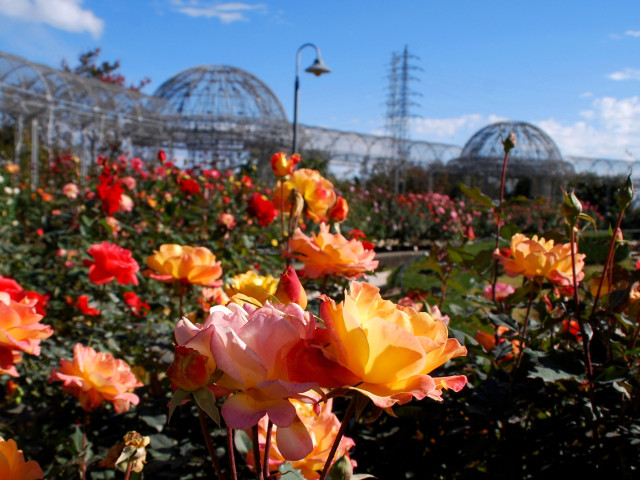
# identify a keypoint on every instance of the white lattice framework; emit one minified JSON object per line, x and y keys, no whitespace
{"x":201,"y":110}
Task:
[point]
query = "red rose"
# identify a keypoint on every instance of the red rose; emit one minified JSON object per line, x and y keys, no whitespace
{"x":261,"y":208}
{"x":83,"y":305}
{"x":110,"y":191}
{"x":17,"y":294}
{"x":138,"y":307}
{"x":189,"y":185}
{"x":339,"y":211}
{"x":111,"y":262}
{"x":10,"y":286}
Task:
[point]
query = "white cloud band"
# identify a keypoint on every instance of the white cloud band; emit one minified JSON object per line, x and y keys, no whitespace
{"x":65,"y":15}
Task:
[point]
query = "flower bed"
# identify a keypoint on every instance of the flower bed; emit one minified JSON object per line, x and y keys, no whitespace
{"x":151,"y":323}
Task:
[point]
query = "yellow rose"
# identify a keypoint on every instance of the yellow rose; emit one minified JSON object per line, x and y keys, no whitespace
{"x":318,"y":194}
{"x":260,"y":287}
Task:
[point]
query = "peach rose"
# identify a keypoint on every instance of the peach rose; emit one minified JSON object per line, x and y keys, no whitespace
{"x":331,"y":254}
{"x":322,"y":424}
{"x":70,"y":190}
{"x":20,"y":327}
{"x":93,"y":377}
{"x":248,"y":345}
{"x":195,"y":265}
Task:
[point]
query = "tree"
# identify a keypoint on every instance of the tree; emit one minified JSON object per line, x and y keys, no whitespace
{"x":105,"y":71}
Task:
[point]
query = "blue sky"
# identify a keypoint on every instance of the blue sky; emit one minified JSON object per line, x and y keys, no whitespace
{"x":570,"y":67}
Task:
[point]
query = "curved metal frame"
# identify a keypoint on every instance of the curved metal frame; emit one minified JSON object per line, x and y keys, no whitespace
{"x":222,"y":111}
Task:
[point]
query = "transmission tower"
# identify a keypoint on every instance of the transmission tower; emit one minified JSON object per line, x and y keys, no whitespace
{"x":399,"y":110}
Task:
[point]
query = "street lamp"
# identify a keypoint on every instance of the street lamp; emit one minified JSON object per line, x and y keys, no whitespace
{"x":317,"y":68}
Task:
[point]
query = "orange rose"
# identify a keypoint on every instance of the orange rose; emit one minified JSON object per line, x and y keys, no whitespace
{"x":389,"y":349}
{"x":94,"y":377}
{"x":541,"y":258}
{"x":196,"y":265}
{"x":559,"y":269}
{"x":328,"y":254}
{"x":283,"y":166}
{"x":317,"y":192}
{"x":13,"y":466}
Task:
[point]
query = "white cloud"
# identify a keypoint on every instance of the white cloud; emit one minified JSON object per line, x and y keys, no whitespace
{"x":609,"y":131}
{"x":588,"y":114}
{"x":455,"y":130}
{"x":586,"y":94}
{"x":65,"y":15}
{"x":633,"y":33}
{"x":610,"y":128}
{"x":626,"y":74}
{"x":225,"y":12}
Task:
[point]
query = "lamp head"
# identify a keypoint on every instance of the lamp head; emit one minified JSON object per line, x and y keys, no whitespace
{"x":318,"y":67}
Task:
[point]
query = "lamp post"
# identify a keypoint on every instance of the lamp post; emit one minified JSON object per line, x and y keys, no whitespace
{"x":317,"y":68}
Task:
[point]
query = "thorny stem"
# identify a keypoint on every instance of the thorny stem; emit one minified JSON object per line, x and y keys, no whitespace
{"x":635,"y":336}
{"x":606,"y":267}
{"x":576,"y":298}
{"x":285,"y":243}
{"x":324,"y":283}
{"x":182,"y":288}
{"x":267,"y":448}
{"x":497,"y":212}
{"x":232,"y":460}
{"x":256,"y":452}
{"x":207,"y":440}
{"x":83,"y":464}
{"x":343,"y":427}
{"x":526,"y":324}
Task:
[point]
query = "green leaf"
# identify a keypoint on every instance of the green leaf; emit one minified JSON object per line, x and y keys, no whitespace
{"x":589,"y":219}
{"x":520,"y":199}
{"x":483,"y":260}
{"x":504,"y":320}
{"x":509,"y":231}
{"x":476,"y":195}
{"x":242,"y":441}
{"x":342,"y":469}
{"x":554,"y":367}
{"x":206,"y":400}
{"x":625,"y":194}
{"x":155,"y":421}
{"x":176,"y":400}
{"x":290,"y":473}
{"x":76,"y":439}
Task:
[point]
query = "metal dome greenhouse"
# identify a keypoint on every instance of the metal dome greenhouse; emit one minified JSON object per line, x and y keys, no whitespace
{"x":535,"y":166}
